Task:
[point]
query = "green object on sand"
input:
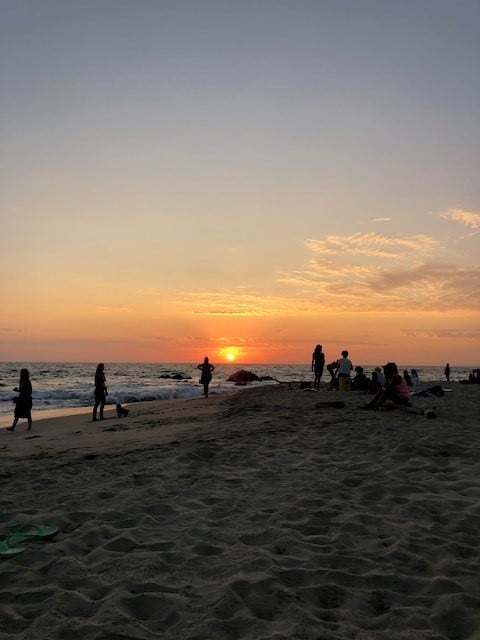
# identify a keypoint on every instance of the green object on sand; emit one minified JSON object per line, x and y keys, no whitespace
{"x":32,"y":532}
{"x":6,"y":551}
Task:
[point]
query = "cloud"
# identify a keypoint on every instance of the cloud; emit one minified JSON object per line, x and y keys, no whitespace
{"x":372,"y":271}
{"x":238,"y":303}
{"x":373,"y":245}
{"x":382,"y":219}
{"x":469,"y":219}
{"x":357,"y":273}
{"x":445,"y":334}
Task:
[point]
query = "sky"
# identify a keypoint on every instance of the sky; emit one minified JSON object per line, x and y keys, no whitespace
{"x":241,"y":179}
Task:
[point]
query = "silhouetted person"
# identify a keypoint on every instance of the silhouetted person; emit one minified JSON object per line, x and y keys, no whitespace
{"x":396,"y":389}
{"x":318,"y":363}
{"x":206,"y":368}
{"x":374,"y":385}
{"x":23,"y":403}
{"x":344,"y":367}
{"x":332,"y":370}
{"x":407,"y":378}
{"x":414,"y":378}
{"x":447,"y":372}
{"x":101,"y":392}
{"x":360,"y":381}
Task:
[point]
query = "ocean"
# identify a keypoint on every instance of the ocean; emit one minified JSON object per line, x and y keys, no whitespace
{"x":69,"y":385}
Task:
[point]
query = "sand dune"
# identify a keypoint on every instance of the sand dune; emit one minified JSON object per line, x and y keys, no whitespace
{"x":262,"y":514}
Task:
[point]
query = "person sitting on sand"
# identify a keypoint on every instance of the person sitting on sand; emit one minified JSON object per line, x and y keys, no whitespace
{"x":407,"y":378}
{"x":381,"y":376}
{"x":414,"y":378}
{"x":360,"y":381}
{"x":332,"y":370}
{"x":318,"y":363}
{"x":396,"y":389}
{"x":23,"y":403}
{"x":206,"y":368}
{"x":374,"y":385}
{"x":474,"y":377}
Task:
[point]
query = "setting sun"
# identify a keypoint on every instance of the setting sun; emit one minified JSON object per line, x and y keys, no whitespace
{"x":230,"y":354}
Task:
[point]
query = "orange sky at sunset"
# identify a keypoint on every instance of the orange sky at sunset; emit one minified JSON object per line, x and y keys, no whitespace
{"x":242,"y":181}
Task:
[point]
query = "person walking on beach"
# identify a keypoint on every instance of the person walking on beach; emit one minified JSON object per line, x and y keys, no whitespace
{"x":23,"y":403}
{"x":447,"y":372}
{"x":318,"y":363}
{"x":206,"y":368}
{"x":100,"y":392}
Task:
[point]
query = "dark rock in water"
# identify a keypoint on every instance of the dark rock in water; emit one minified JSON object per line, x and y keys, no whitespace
{"x":174,"y":376}
{"x":243,"y":376}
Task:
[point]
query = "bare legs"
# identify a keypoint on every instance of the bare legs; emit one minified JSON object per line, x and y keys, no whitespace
{"x":14,"y":424}
{"x":101,"y":404}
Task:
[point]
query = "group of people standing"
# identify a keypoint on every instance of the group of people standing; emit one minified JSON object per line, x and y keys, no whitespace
{"x":339,"y":370}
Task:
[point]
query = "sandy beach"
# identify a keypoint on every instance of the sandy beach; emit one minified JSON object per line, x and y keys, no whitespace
{"x":262,"y":514}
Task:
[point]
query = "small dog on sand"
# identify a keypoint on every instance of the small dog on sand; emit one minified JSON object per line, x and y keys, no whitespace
{"x":121,"y":412}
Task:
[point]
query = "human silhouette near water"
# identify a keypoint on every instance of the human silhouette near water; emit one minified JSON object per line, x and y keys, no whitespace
{"x":100,"y":392}
{"x":23,"y":403}
{"x":318,"y":363}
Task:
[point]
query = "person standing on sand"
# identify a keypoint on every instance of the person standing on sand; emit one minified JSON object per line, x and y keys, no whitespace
{"x":318,"y":362}
{"x":206,"y":368}
{"x":344,"y":366}
{"x":447,"y":372}
{"x":101,"y":392}
{"x":23,"y":404}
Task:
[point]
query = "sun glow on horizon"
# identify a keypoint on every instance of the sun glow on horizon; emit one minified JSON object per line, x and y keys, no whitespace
{"x":230,"y":354}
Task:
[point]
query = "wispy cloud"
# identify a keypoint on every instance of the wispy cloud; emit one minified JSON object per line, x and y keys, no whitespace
{"x":448,"y":334}
{"x":382,"y":219}
{"x":360,"y":272}
{"x":372,"y":244}
{"x":373,"y":271}
{"x":469,"y":219}
{"x":426,"y":286}
{"x":237,"y":303}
